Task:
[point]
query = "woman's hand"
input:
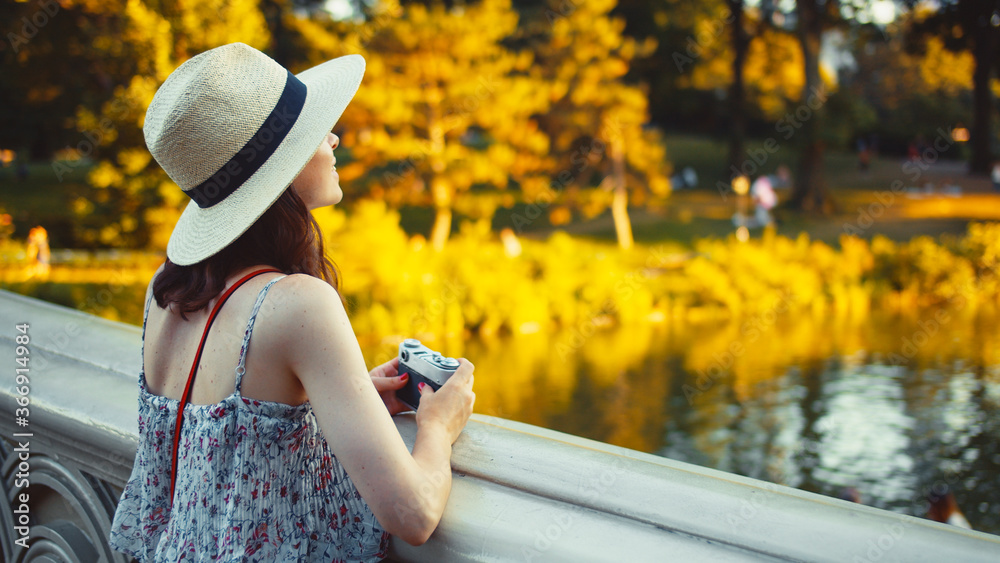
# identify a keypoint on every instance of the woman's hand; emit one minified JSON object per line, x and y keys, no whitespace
{"x":451,"y":405}
{"x":387,"y":381}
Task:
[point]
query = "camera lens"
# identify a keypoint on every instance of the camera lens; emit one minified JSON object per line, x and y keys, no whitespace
{"x":405,"y":355}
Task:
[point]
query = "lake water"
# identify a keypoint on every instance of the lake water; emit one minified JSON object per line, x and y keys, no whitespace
{"x":892,"y":406}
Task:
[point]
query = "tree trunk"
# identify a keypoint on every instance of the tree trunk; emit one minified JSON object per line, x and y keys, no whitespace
{"x":737,"y":132}
{"x":984,"y":48}
{"x":441,"y":189}
{"x":619,"y":203}
{"x":809,"y":191}
{"x":441,"y":193}
{"x":441,"y":229}
{"x":274,"y":12}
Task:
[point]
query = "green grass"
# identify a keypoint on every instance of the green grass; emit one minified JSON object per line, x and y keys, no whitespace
{"x":648,"y":228}
{"x":703,"y":212}
{"x":42,"y":199}
{"x":708,"y":156}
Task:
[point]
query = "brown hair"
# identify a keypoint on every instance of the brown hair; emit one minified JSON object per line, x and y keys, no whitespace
{"x":285,"y":237}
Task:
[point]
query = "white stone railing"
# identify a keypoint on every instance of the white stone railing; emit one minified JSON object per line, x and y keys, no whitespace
{"x":520,"y":492}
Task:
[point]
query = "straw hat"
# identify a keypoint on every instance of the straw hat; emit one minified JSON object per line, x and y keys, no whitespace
{"x":233,"y":128}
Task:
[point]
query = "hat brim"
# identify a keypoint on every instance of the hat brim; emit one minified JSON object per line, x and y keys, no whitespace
{"x":201,"y":233}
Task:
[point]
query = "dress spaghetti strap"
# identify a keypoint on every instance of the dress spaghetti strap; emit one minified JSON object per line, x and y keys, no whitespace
{"x":241,"y":365}
{"x":142,"y":349}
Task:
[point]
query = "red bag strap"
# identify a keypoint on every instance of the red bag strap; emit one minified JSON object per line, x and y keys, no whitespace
{"x":194,"y":368}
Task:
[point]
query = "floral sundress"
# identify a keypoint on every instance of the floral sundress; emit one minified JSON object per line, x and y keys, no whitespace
{"x":256,"y":481}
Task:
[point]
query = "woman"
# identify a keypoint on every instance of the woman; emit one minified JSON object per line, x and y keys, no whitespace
{"x":286,"y":449}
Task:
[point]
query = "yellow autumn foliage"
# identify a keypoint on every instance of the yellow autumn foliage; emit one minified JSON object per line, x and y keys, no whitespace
{"x":946,"y":71}
{"x":475,"y":286}
{"x":156,"y":38}
{"x":773,"y":70}
{"x":737,"y":313}
{"x":937,"y":71}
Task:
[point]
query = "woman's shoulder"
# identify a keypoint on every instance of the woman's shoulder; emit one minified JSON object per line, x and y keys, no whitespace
{"x":303,"y":291}
{"x":301,"y":301}
{"x":302,"y":315}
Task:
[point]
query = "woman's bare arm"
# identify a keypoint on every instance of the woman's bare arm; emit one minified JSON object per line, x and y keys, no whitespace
{"x":406,"y":492}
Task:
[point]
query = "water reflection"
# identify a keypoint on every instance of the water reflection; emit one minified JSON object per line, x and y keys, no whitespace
{"x":893,"y":407}
{"x":863,"y":435}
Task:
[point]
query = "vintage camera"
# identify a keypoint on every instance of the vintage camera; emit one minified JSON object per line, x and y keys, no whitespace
{"x":423,"y":364}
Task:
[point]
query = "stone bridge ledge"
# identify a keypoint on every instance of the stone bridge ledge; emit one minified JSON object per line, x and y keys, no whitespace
{"x":520,"y":492}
